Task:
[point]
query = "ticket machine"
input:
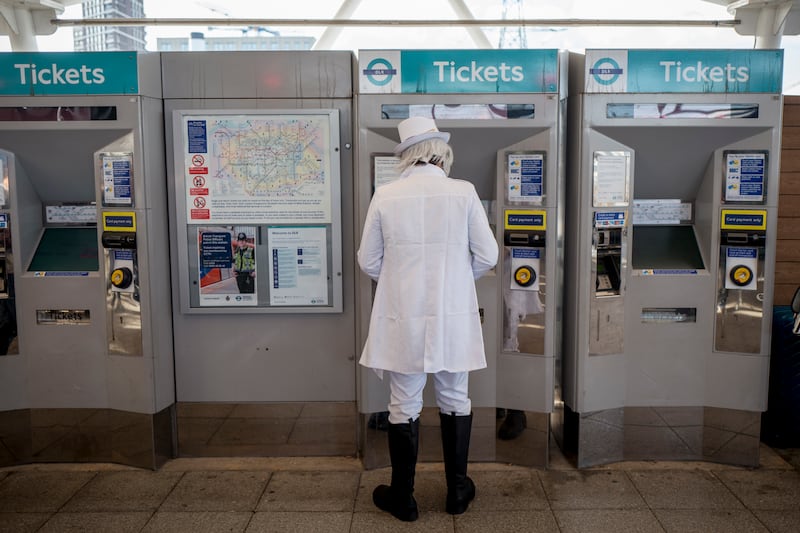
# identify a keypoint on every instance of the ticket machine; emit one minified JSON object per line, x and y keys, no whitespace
{"x":672,"y":202}
{"x":86,"y":372}
{"x":505,"y":112}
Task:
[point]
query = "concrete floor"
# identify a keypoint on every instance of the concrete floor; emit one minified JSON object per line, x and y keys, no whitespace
{"x":333,"y":494}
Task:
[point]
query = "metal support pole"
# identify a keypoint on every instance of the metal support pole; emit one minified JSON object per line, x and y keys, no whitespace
{"x":22,"y":35}
{"x":770,"y":24}
{"x":332,"y":33}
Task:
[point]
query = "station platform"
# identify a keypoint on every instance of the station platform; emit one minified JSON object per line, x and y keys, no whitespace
{"x":333,"y":495}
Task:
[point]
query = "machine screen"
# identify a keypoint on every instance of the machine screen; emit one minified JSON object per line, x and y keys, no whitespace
{"x":66,"y":250}
{"x":665,"y":247}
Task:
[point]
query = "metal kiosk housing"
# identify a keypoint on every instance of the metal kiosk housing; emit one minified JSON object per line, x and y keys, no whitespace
{"x":85,"y":273}
{"x":672,"y":210}
{"x":505,"y":112}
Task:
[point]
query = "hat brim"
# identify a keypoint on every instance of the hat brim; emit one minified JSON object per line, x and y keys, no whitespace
{"x":414,"y":139}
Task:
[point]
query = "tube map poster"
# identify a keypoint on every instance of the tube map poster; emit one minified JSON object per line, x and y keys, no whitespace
{"x":257,"y":168}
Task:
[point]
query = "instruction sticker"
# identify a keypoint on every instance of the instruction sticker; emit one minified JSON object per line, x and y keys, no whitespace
{"x":744,"y":177}
{"x":526,"y":177}
{"x":741,"y":268}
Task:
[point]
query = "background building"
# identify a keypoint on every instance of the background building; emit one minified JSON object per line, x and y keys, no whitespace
{"x":249,"y":39}
{"x":95,"y":38}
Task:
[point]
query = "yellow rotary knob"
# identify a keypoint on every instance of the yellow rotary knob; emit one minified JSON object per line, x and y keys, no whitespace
{"x":122,"y":277}
{"x":524,"y":276}
{"x":741,"y":275}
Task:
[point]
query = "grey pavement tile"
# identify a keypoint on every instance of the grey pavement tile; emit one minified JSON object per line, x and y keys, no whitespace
{"x":500,"y":491}
{"x":328,"y":409}
{"x":119,"y":522}
{"x":124,"y":491}
{"x":208,"y":522}
{"x":252,"y":431}
{"x":217,"y":491}
{"x":607,"y":521}
{"x":380,"y":522}
{"x":310,"y":491}
{"x":430,"y":490}
{"x":22,"y":522}
{"x":780,"y":521}
{"x":764,"y":489}
{"x":590,"y":490}
{"x":40,"y":491}
{"x":511,"y":521}
{"x":203,"y":410}
{"x":705,"y":520}
{"x":683,"y":489}
{"x":281,"y":522}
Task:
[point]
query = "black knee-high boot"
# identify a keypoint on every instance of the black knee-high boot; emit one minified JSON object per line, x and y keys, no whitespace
{"x":455,"y":445}
{"x":398,"y":498}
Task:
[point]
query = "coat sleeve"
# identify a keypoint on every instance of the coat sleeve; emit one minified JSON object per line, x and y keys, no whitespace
{"x":482,"y":243}
{"x":370,"y":252}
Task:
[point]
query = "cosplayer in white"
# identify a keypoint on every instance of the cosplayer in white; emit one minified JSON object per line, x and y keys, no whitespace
{"x":426,"y":239}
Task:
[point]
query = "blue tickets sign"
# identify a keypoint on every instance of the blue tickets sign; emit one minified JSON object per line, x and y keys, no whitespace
{"x":684,"y":71}
{"x":50,"y":73}
{"x":458,"y":71}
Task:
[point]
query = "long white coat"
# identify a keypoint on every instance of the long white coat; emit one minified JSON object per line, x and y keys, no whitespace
{"x":426,"y":239}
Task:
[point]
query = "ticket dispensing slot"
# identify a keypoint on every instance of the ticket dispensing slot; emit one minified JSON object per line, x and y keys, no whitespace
{"x":608,"y":243}
{"x":740,"y":282}
{"x":607,"y":306}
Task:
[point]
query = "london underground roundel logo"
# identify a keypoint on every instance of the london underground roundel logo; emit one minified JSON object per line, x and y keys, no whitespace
{"x":380,"y":71}
{"x":605,"y":71}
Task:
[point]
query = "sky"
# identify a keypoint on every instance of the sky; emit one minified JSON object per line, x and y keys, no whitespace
{"x":574,"y":38}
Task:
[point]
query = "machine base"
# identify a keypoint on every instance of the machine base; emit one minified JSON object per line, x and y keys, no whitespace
{"x":712,"y":434}
{"x":87,"y":436}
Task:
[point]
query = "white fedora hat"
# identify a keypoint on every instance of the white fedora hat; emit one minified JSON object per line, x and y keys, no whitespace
{"x":417,"y":129}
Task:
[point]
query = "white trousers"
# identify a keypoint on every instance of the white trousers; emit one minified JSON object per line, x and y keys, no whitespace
{"x":405,"y":394}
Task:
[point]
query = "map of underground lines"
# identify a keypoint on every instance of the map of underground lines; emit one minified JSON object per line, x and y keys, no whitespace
{"x":258,"y":168}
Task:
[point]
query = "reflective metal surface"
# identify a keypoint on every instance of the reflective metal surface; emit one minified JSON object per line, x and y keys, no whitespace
{"x":86,"y":435}
{"x":524,"y":313}
{"x":291,"y":429}
{"x":739,"y":313}
{"x":529,"y":446}
{"x":124,"y":312}
{"x":669,"y":434}
{"x":607,"y":308}
{"x":8,"y":306}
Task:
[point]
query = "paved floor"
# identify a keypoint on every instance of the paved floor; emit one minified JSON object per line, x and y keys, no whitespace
{"x":334,"y":495}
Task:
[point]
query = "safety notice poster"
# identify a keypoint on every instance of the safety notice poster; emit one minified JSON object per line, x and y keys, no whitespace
{"x":227,"y":261}
{"x":299,"y":266}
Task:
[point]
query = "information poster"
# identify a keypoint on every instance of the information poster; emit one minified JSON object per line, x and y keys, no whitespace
{"x":385,"y":169}
{"x":744,"y":177}
{"x":299,"y":266}
{"x":227,"y":261}
{"x":253,"y":169}
{"x":611,"y":175}
{"x":526,"y":177}
{"x":117,"y":179}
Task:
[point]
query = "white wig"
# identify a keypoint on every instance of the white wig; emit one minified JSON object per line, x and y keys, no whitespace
{"x":434,"y":151}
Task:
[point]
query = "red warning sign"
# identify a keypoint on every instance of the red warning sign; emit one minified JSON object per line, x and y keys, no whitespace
{"x":198,"y":160}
